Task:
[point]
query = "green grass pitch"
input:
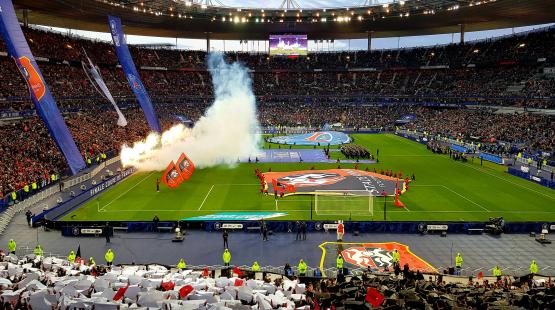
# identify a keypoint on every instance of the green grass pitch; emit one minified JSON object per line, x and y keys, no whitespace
{"x":444,"y":190}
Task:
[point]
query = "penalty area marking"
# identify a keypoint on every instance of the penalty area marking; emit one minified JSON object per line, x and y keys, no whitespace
{"x":103,"y":209}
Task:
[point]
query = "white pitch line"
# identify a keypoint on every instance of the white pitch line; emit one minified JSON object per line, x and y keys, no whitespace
{"x":103,"y":209}
{"x":454,"y":192}
{"x":207,"y":194}
{"x":462,"y":196}
{"x":508,"y":181}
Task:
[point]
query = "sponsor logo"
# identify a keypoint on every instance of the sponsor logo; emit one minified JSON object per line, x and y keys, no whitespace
{"x":91,"y":231}
{"x":437,"y":227}
{"x":134,"y":82}
{"x":312,"y":179}
{"x":524,"y":169}
{"x":552,"y":227}
{"x":320,"y":137}
{"x":32,"y":77}
{"x":75,"y":231}
{"x":330,"y":226}
{"x":231,"y":226}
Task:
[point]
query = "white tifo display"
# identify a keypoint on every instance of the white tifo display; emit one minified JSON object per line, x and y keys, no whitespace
{"x":349,"y":202}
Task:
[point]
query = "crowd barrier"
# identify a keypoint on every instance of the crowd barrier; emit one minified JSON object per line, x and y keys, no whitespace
{"x":534,"y":178}
{"x":493,"y":158}
{"x":94,"y":228}
{"x":89,"y":175}
{"x":63,"y":208}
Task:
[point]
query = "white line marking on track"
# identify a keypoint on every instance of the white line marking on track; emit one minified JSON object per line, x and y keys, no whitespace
{"x":103,"y":209}
{"x":207,"y":194}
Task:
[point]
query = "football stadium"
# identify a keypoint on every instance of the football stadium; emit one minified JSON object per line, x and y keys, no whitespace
{"x":282,"y":154}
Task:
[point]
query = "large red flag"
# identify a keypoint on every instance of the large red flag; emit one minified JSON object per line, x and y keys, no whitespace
{"x":184,"y":291}
{"x":185,"y":166}
{"x":120,"y":293}
{"x":374,"y":297}
{"x":481,"y":275}
{"x":398,"y":203}
{"x":274,"y":184}
{"x":171,"y":177}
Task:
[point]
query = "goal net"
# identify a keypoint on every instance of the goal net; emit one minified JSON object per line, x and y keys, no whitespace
{"x":348,"y":202}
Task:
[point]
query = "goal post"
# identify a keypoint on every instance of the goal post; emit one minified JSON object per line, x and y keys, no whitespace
{"x":344,"y":202}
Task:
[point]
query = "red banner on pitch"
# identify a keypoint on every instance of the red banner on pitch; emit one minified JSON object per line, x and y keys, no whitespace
{"x":185,"y":166}
{"x":171,"y":177}
{"x":176,"y":174}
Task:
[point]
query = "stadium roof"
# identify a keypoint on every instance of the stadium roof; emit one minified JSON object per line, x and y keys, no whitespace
{"x":196,"y":19}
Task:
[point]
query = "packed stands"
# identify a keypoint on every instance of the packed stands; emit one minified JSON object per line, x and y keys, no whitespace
{"x":37,"y":282}
{"x":361,"y":90}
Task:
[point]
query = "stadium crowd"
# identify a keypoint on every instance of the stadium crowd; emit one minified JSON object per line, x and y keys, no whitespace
{"x":37,"y":282}
{"x":505,"y":71}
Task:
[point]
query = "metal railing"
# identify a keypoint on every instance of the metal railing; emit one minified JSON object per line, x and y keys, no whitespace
{"x":8,"y":215}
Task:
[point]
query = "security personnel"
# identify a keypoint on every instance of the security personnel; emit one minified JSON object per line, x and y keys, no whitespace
{"x":302,"y":268}
{"x":181,"y":265}
{"x":89,"y":161}
{"x":53,"y":177}
{"x":103,"y":156}
{"x":34,"y":187}
{"x":255,"y":267}
{"x":339,"y":263}
{"x":533,"y":267}
{"x":226,"y":257}
{"x":12,"y":246}
{"x":71,"y":257}
{"x":26,"y":190}
{"x":529,"y":161}
{"x":497,"y":272}
{"x":91,"y":261}
{"x":38,"y":250}
{"x":109,"y":256}
{"x":396,"y":258}
{"x":14,"y":196}
{"x":458,"y":263}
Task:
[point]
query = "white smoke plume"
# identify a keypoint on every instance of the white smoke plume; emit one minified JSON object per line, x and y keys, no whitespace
{"x":226,"y":132}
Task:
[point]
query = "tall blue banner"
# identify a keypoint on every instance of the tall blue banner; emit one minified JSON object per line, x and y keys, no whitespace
{"x":46,"y":107}
{"x":131,"y":73}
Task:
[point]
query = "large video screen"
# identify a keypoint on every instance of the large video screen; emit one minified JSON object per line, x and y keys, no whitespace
{"x":288,"y":45}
